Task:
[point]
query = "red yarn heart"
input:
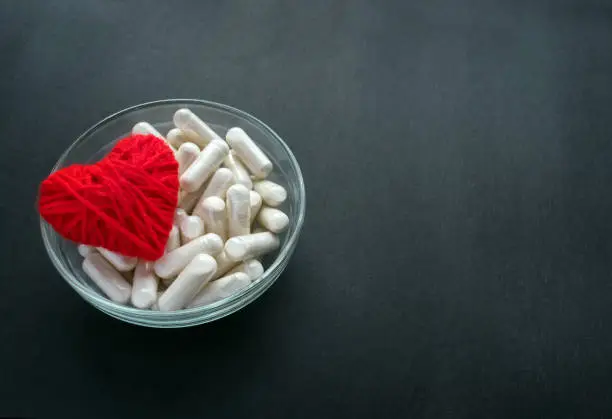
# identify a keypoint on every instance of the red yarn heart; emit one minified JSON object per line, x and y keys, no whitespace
{"x":124,"y":203}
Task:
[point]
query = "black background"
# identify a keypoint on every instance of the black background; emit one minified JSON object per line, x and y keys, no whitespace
{"x":455,"y":258}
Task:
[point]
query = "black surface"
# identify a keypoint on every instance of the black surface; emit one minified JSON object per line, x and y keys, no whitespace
{"x":455,"y":259}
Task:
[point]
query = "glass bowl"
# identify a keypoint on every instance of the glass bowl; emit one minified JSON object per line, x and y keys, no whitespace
{"x":99,"y":139}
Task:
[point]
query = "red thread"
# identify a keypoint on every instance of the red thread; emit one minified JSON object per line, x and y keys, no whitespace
{"x":124,"y":203}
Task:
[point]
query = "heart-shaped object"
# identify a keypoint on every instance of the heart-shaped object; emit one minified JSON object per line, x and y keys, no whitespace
{"x":124,"y":203}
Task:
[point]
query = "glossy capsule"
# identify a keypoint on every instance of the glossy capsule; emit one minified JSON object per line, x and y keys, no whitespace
{"x":240,"y":173}
{"x":272,"y":193}
{"x":238,"y":204}
{"x":119,"y":262}
{"x":174,"y":239}
{"x":196,"y":274}
{"x":84,"y":249}
{"x":220,"y":289}
{"x":250,"y":154}
{"x":212,"y":212}
{"x":256,"y":203}
{"x":187,"y":120}
{"x":252,"y":267}
{"x":251,"y":246}
{"x":144,"y":285}
{"x":107,"y":278}
{"x":171,"y":264}
{"x":186,"y":155}
{"x":144,"y":128}
{"x":224,"y":264}
{"x":273,"y":219}
{"x":218,"y":184}
{"x":177,"y":136}
{"x":204,"y":166}
{"x":191,"y":228}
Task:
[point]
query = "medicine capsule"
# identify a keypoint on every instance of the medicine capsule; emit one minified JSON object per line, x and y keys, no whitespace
{"x":187,"y":120}
{"x":238,"y":203}
{"x":107,"y":278}
{"x":186,"y":155}
{"x":218,"y":184}
{"x":250,"y":246}
{"x":188,"y":200}
{"x":119,"y":262}
{"x":189,"y":282}
{"x":220,"y":289}
{"x":174,"y":262}
{"x":177,"y":136}
{"x":144,"y":128}
{"x":250,"y":154}
{"x":224,"y":264}
{"x":191,"y":228}
{"x":154,"y":306}
{"x":252,"y":267}
{"x":212,"y":212}
{"x":179,"y":215}
{"x":241,"y":175}
{"x":84,"y":249}
{"x":256,"y":203}
{"x":144,"y":285}
{"x":174,"y":239}
{"x":272,"y":193}
{"x":204,"y":166}
{"x":273,"y":219}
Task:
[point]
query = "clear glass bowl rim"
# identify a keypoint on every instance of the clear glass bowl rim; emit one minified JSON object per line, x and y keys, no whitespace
{"x":205,"y":313}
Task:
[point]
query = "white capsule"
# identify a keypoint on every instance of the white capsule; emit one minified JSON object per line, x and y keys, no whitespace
{"x":174,"y":262}
{"x":174,"y":239}
{"x":218,"y":184}
{"x":273,"y":219}
{"x":187,"y":120}
{"x":250,"y":246}
{"x":256,"y":203}
{"x":212,"y":212}
{"x":204,"y":166}
{"x":241,"y":175}
{"x":179,"y":215}
{"x":188,"y":200}
{"x":155,"y":306}
{"x":220,"y":289}
{"x":252,"y":267}
{"x":191,"y":228}
{"x":272,"y":193}
{"x":177,"y":136}
{"x":186,"y":155}
{"x":252,"y":156}
{"x":224,"y":264}
{"x":120,"y":262}
{"x":144,"y":285}
{"x":195,"y":275}
{"x":238,"y":203}
{"x":84,"y":250}
{"x":107,"y":278}
{"x":144,"y":128}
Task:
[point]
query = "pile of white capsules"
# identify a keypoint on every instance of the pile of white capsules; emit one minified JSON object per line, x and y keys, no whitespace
{"x":212,"y":251}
